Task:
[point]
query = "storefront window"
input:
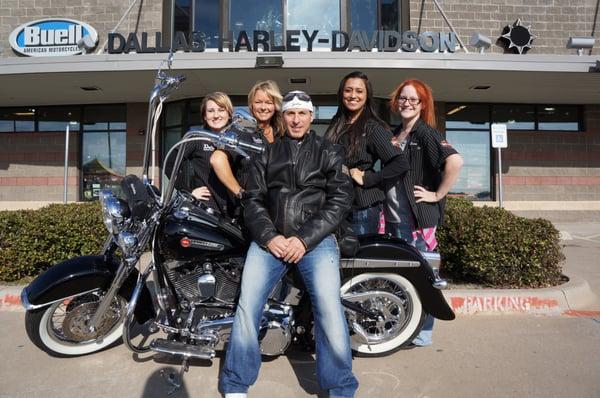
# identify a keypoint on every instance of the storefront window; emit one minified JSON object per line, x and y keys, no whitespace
{"x":15,"y":120}
{"x":363,"y":15}
{"x":244,"y":15}
{"x":559,"y":118}
{"x":207,"y":14}
{"x":212,"y":20}
{"x":56,"y":118}
{"x":468,"y":131}
{"x":371,"y":15}
{"x":515,"y":116}
{"x":321,"y":15}
{"x":181,"y":16}
{"x":390,"y":15}
{"x":103,"y":149}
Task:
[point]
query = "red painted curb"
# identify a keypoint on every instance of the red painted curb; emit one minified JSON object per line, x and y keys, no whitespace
{"x":10,"y":300}
{"x":467,"y":303}
{"x":582,"y":313}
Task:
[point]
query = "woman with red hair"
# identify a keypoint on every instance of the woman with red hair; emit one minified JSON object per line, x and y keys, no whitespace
{"x":415,"y":204}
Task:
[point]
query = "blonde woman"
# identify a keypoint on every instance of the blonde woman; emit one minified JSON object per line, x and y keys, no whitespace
{"x":264,"y":103}
{"x":196,"y":174}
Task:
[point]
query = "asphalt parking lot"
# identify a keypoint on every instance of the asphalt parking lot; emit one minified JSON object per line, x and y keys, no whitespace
{"x":501,"y":355}
{"x":473,"y":356}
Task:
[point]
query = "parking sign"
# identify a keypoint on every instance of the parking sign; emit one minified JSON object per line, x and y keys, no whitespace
{"x":499,"y":136}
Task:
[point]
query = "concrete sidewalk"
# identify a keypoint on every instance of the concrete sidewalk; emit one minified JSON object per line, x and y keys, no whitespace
{"x":578,"y":297}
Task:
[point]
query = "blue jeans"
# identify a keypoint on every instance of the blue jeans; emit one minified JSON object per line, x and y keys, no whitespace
{"x":404,"y":231}
{"x":320,"y":271}
{"x":366,"y":221}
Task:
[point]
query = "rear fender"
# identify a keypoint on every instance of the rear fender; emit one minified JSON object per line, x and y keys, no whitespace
{"x":80,"y":275}
{"x":385,"y":254}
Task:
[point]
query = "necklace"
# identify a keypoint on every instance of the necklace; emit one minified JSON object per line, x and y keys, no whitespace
{"x":268,"y":133}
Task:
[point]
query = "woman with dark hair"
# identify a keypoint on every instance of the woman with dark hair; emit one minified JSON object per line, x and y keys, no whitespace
{"x":366,"y":139}
{"x":415,"y":204}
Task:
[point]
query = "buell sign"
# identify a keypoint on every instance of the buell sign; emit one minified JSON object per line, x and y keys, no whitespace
{"x":50,"y":37}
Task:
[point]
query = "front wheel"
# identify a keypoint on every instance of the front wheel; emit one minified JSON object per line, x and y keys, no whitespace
{"x":61,"y":329}
{"x":396,"y":302}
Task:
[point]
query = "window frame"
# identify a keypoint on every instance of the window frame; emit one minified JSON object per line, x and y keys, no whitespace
{"x":345,"y":16}
{"x":83,"y":131}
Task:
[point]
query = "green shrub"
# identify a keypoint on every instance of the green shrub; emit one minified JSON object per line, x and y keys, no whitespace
{"x":488,"y":246}
{"x":33,"y":240}
{"x":493,"y":247}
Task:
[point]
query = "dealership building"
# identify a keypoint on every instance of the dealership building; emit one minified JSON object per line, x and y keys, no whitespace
{"x":89,"y":65}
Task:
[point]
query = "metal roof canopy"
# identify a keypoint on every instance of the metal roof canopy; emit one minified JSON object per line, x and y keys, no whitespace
{"x":556,"y":79}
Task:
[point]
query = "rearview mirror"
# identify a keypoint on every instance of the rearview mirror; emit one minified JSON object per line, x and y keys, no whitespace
{"x":243,"y":121}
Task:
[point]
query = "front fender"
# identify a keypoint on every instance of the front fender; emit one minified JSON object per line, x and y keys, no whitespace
{"x":383,"y":253}
{"x":79,"y":275}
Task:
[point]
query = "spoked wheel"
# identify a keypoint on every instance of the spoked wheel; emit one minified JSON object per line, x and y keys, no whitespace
{"x":61,"y":329}
{"x":397,"y":309}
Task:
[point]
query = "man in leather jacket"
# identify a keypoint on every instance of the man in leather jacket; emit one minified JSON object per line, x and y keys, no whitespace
{"x":295,"y":198}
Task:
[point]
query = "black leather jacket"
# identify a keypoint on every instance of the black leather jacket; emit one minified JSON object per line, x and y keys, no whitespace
{"x":297,"y":188}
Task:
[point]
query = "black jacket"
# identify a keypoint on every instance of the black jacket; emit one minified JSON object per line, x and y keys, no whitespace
{"x":195,"y":172}
{"x":377,"y":147}
{"x":426,"y":151}
{"x":297,"y":188}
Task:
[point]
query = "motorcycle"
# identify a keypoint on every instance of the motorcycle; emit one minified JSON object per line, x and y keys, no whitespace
{"x":185,"y":296}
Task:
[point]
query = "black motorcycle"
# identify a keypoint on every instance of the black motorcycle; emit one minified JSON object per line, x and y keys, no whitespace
{"x":186,"y":294}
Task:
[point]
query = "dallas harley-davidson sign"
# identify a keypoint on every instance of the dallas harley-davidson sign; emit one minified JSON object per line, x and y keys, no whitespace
{"x":290,"y":40}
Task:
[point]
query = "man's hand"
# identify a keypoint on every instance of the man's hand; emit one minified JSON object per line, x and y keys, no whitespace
{"x":357,"y":175}
{"x":423,"y":195}
{"x":201,"y":193}
{"x":278,"y":245}
{"x":295,"y":250}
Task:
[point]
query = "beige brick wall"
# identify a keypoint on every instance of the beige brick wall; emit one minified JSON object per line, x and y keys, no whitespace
{"x":552,"y":21}
{"x":102,"y":15}
{"x":549,"y":166}
{"x":554,"y":165}
{"x":32,"y":164}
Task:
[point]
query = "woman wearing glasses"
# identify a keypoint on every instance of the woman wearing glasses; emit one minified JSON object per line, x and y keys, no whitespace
{"x":264,"y":103}
{"x":415,"y":204}
{"x":366,"y":139}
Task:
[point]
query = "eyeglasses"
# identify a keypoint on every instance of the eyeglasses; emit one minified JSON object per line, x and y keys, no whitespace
{"x":302,"y":96}
{"x":412,"y":101}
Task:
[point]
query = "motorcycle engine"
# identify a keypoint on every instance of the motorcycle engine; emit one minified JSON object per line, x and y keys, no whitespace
{"x":210,"y":281}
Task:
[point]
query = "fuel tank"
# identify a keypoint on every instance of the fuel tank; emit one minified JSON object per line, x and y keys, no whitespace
{"x":198,"y":235}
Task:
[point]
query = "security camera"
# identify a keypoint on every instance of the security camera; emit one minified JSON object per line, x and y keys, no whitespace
{"x":580,"y":43}
{"x":86,"y":43}
{"x":480,"y":41}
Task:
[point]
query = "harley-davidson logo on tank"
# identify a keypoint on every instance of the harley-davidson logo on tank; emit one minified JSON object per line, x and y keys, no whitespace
{"x":51,"y":37}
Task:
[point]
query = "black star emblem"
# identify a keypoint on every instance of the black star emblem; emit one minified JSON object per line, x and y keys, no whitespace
{"x":518,"y":36}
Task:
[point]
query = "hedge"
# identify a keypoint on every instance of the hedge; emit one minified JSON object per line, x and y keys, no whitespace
{"x":32,"y":240}
{"x":493,"y":247}
{"x":482,"y":245}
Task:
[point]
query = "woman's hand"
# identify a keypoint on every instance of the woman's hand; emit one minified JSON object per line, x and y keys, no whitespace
{"x":357,"y":175}
{"x":201,"y":193}
{"x":423,"y":195}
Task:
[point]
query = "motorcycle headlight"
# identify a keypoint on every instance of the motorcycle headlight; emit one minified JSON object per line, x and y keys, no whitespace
{"x":128,"y":243}
{"x":114,"y":212}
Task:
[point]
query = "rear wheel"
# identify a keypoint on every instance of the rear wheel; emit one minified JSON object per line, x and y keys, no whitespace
{"x":400,"y":314}
{"x":61,"y":329}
